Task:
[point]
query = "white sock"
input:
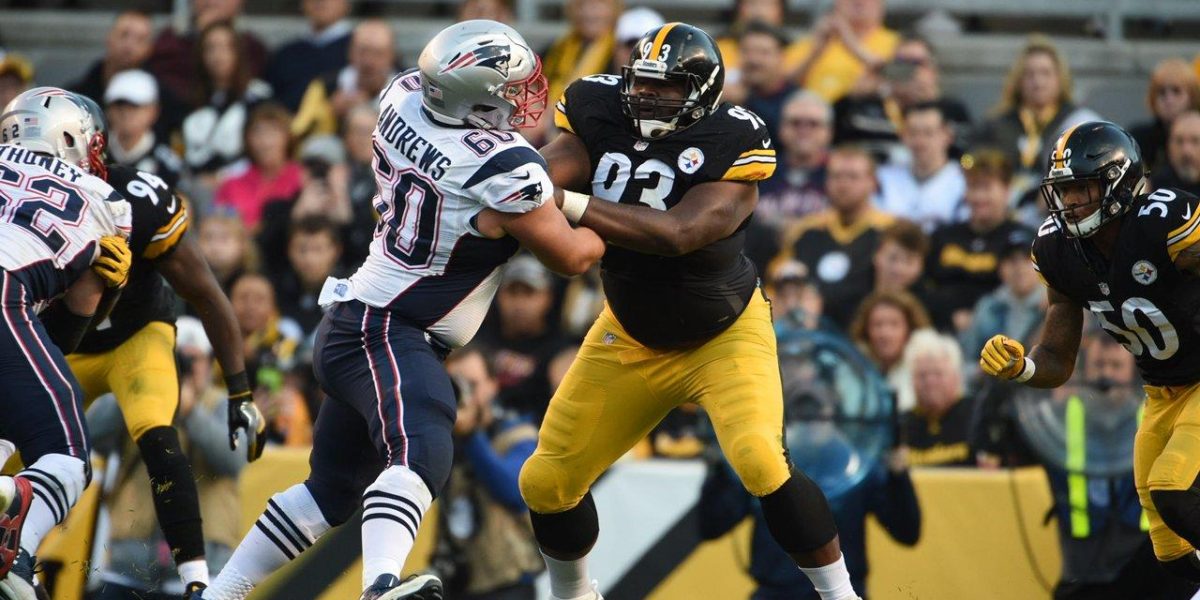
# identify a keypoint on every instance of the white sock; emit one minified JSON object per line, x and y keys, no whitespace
{"x":8,"y":489}
{"x":57,"y":481}
{"x":193,"y":570}
{"x":392,"y":511}
{"x":291,"y":523}
{"x":568,"y":578}
{"x":832,"y":581}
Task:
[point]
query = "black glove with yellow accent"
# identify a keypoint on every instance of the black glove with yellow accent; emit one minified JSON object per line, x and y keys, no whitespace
{"x":243,"y":414}
{"x":114,"y":261}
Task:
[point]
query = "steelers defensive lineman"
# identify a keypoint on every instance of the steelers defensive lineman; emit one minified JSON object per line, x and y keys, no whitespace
{"x":672,"y":175}
{"x":1132,"y":259}
{"x":132,"y":353}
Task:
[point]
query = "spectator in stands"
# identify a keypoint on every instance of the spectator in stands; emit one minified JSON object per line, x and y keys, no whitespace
{"x":795,"y":299}
{"x":1174,"y":90}
{"x":16,"y":76}
{"x":770,"y":12}
{"x":963,"y":261}
{"x":764,"y":79}
{"x":846,"y":43}
{"x":226,"y":247}
{"x":937,"y":431}
{"x":127,"y":46}
{"x":882,"y":327}
{"x":1016,"y":308}
{"x":585,"y":49}
{"x":372,"y":64}
{"x":930,"y":189}
{"x":900,"y":258}
{"x":1183,"y":155}
{"x":212,"y":134}
{"x":873,"y":114}
{"x":132,"y":109}
{"x":485,"y":547}
{"x":357,"y":129}
{"x":500,"y":11}
{"x":324,"y":192}
{"x":1035,"y":107}
{"x":838,"y":242}
{"x":313,"y":250}
{"x":323,"y":49}
{"x":271,"y":174}
{"x":633,"y":24}
{"x":270,"y":342}
{"x":582,"y":301}
{"x":138,"y":563}
{"x":522,"y":336}
{"x":173,"y":59}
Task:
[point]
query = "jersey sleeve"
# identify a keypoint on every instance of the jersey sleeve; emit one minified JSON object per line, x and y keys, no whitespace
{"x":1040,"y":252}
{"x":513,"y":180}
{"x":1180,"y":217}
{"x":160,"y":213}
{"x":745,"y":151}
{"x":587,"y":104}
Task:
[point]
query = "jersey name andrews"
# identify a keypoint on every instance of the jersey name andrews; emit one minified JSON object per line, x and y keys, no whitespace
{"x":408,"y":142}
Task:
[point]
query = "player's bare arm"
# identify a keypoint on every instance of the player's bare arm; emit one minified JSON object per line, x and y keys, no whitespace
{"x":547,"y":234}
{"x":568,"y":163}
{"x":1054,"y":354}
{"x":188,"y":273}
{"x":1188,"y":260}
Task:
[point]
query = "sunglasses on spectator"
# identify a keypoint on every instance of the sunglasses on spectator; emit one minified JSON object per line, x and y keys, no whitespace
{"x":806,"y":123}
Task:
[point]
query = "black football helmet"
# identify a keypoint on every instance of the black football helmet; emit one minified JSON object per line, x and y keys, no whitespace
{"x":673,"y":53}
{"x":1096,"y":151}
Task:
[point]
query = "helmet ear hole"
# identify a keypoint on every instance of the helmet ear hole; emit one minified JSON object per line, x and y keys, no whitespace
{"x":69,"y":139}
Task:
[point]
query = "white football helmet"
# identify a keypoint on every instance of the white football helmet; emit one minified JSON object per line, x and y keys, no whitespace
{"x":483,"y":74}
{"x":53,"y":121}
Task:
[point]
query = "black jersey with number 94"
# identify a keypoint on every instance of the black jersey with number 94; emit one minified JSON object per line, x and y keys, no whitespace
{"x":1138,"y":295}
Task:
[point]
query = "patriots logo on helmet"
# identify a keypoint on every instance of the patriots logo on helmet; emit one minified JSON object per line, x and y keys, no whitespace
{"x":494,"y":56}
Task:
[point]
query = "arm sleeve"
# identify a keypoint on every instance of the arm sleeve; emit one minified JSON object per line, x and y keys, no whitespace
{"x":745,"y":151}
{"x":513,"y":180}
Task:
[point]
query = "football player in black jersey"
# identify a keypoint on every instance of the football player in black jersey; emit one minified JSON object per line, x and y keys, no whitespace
{"x":1132,"y":259}
{"x":672,"y":173}
{"x":132,"y":354}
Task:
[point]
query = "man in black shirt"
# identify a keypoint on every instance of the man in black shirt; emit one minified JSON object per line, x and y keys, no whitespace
{"x":937,"y":432}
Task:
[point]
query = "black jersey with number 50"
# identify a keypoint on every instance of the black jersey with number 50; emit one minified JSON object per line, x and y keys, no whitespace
{"x":1138,"y":295}
{"x":669,"y":302}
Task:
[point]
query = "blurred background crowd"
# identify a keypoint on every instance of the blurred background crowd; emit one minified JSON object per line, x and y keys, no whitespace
{"x":898,"y":223}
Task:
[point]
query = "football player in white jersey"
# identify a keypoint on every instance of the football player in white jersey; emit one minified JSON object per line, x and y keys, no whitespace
{"x":62,"y":243}
{"x":459,"y":191}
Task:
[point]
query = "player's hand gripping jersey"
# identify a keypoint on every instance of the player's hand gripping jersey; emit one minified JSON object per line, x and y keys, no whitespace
{"x":1139,"y":297}
{"x":668,"y":302}
{"x":51,"y":216}
{"x":428,"y":264}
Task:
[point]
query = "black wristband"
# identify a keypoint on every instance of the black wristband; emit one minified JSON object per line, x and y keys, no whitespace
{"x":237,"y":384}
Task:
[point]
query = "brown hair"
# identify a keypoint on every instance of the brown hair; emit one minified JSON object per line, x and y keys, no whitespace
{"x":272,"y":112}
{"x":855,"y":150}
{"x":907,"y":235}
{"x":241,"y":69}
{"x":914,"y":314}
{"x":1010,"y":98}
{"x":988,"y":162}
{"x":1173,"y":71}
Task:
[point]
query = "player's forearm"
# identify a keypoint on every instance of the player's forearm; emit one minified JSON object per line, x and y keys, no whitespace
{"x":639,"y":228}
{"x":1053,"y":368}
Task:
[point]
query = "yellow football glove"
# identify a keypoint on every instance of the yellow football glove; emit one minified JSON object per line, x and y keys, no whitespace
{"x":114,"y":261}
{"x":1002,"y":357}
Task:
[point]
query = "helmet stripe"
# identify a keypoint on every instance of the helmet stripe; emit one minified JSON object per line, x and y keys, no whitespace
{"x":656,"y":47}
{"x":1062,"y":144}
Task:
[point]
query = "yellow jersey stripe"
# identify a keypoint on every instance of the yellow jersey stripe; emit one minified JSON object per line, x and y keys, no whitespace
{"x":561,"y":121}
{"x":656,"y":47}
{"x":157,"y":248}
{"x":169,"y":228}
{"x":757,"y":152}
{"x":1192,"y":238}
{"x":1062,"y":141}
{"x":1190,"y":224}
{"x":749,"y":172}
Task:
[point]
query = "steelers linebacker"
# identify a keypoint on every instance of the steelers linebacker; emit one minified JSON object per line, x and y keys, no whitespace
{"x":1132,"y":259}
{"x":672,"y":173}
{"x":132,"y":353}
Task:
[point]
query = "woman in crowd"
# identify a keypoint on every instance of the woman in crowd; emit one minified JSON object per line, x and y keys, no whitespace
{"x":584,"y":50}
{"x":226,"y":247}
{"x":271,"y":173}
{"x":881,"y":328}
{"x":1174,"y":90}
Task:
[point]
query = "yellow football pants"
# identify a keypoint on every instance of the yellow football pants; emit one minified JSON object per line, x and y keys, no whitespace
{"x":1166,"y":456}
{"x":141,"y":373}
{"x":617,"y":390}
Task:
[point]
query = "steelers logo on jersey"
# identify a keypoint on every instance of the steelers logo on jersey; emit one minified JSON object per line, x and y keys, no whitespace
{"x":1144,"y":272}
{"x":690,"y":160}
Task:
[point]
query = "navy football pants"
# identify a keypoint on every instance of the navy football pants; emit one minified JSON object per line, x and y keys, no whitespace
{"x":41,"y":405}
{"x":389,"y":402}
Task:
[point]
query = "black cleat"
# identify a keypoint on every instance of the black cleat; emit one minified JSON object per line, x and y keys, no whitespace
{"x":416,"y":587}
{"x":193,"y":591}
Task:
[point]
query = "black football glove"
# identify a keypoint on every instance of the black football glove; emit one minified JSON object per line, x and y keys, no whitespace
{"x":244,"y":415}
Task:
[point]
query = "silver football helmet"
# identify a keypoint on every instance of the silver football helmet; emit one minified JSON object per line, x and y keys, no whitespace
{"x":482,"y":74}
{"x":53,"y":121}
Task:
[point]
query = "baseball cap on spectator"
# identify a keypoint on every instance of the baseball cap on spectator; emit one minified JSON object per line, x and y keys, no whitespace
{"x":635,"y":22}
{"x":16,"y":65}
{"x":789,"y":272}
{"x":327,"y":148}
{"x":1019,"y":242}
{"x":527,"y":270}
{"x":134,"y":86}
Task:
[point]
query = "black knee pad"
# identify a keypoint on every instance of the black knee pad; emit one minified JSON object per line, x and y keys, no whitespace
{"x":1187,"y":567}
{"x":570,"y":534}
{"x":173,"y":487}
{"x":1180,"y":510}
{"x":798,"y":515}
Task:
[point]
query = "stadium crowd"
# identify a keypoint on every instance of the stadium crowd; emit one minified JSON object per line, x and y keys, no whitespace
{"x":896,"y":220}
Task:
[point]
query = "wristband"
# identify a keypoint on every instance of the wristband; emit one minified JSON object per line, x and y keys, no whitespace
{"x":573,"y":206}
{"x":237,"y":384}
{"x":1027,"y":372}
